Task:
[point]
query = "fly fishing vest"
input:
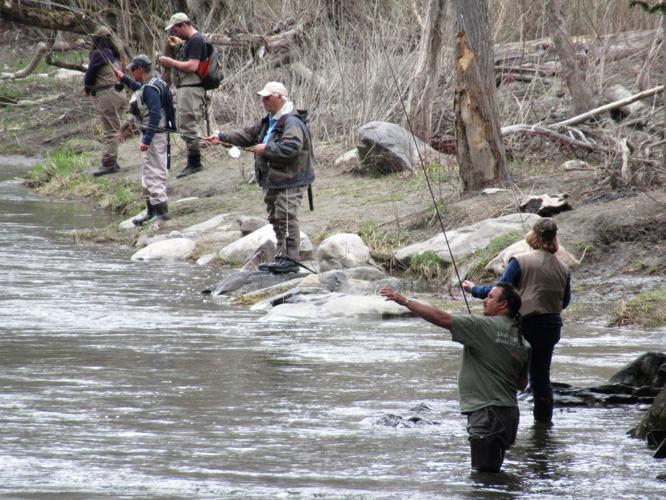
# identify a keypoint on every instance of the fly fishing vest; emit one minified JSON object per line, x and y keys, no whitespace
{"x":543,"y":279}
{"x":104,"y":79}
{"x":140,"y":109}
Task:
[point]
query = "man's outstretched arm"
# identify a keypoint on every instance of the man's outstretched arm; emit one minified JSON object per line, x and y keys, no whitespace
{"x":427,"y":312}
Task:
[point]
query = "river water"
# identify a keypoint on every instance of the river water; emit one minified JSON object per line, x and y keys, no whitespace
{"x":120,"y":380}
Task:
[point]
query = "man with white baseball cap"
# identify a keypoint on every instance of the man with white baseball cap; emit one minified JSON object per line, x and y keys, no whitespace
{"x":273,"y":88}
{"x":283,"y":155}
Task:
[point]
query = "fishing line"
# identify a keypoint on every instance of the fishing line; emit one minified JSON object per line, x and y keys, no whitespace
{"x":425,"y":174}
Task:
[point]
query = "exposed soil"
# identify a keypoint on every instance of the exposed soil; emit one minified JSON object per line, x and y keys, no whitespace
{"x":619,"y":231}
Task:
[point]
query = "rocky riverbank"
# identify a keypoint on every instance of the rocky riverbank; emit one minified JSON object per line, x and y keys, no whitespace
{"x":617,"y":235}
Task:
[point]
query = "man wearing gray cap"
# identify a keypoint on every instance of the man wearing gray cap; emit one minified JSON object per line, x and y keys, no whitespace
{"x":190,"y":94}
{"x":149,"y":107}
{"x":544,"y":285}
{"x":283,"y":155}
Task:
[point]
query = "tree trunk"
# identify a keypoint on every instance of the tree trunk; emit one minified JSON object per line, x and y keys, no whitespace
{"x":478,"y":136}
{"x":419,"y":102}
{"x":663,"y":55}
{"x":572,"y":73}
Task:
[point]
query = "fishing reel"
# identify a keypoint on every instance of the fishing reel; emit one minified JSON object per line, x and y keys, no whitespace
{"x":174,"y":41}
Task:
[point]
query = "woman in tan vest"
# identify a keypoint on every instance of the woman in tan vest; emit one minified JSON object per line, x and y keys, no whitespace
{"x":544,"y":284}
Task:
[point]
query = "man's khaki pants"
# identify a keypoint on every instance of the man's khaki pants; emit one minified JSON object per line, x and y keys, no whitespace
{"x":282,"y":206}
{"x":154,"y":170}
{"x":190,"y":109}
{"x":110,"y":106}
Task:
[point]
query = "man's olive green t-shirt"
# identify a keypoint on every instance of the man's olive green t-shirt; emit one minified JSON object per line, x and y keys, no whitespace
{"x":493,"y":359}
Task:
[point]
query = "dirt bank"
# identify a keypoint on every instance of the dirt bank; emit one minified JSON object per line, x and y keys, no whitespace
{"x":620,"y":232}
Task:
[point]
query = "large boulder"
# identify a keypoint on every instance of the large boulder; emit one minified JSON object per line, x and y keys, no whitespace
{"x":217,"y":239}
{"x":646,"y":370}
{"x":364,"y":280}
{"x":386,"y":147}
{"x":242,"y":250}
{"x":249,"y":224}
{"x":342,"y":250}
{"x":221,"y":222}
{"x":467,"y":240}
{"x":334,"y":306}
{"x":243,"y":282}
{"x":498,"y":264}
{"x":652,"y":426}
{"x":170,"y":249}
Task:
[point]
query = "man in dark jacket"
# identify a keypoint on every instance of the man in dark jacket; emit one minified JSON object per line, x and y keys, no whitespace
{"x":283,"y":153}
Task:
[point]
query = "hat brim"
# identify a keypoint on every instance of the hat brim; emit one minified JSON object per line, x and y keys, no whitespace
{"x":169,"y":26}
{"x":265,"y":93}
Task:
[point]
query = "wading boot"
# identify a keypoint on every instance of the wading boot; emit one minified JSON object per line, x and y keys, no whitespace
{"x":193,"y":164}
{"x":282,"y":265}
{"x":161,"y":211}
{"x":106,"y":170}
{"x":487,"y":454}
{"x":543,"y":409}
{"x":144,"y":217}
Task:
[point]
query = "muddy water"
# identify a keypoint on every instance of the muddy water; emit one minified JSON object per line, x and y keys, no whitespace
{"x":120,"y":380}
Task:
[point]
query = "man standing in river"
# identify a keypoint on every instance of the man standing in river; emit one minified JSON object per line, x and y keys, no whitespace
{"x":493,"y":368}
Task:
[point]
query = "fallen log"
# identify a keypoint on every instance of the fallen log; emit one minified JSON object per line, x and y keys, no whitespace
{"x":552,"y":134}
{"x":612,"y":47}
{"x":38,"y":102}
{"x":42,"y":48}
{"x":64,"y":64}
{"x":254,"y":41}
{"x":618,"y":92}
{"x":607,"y":107}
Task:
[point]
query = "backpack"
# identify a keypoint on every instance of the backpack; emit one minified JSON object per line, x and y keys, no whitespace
{"x":210,"y":70}
{"x":166,"y":98}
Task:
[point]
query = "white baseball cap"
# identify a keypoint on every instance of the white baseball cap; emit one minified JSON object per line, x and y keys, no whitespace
{"x":273,"y":88}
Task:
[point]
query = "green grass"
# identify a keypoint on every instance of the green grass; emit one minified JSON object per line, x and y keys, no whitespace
{"x":65,"y":174}
{"x":427,"y":266}
{"x":481,"y":258}
{"x":647,"y":309}
{"x":381,"y":243}
{"x":11,"y":90}
{"x":63,"y":165}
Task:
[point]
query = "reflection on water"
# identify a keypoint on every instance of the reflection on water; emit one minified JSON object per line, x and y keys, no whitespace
{"x":119,"y":379}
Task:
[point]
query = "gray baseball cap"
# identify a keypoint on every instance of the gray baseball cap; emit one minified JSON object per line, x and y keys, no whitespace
{"x":142,"y":61}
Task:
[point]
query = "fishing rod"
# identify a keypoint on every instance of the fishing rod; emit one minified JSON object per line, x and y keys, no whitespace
{"x":425,"y":173}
